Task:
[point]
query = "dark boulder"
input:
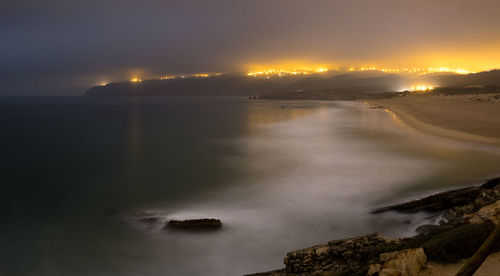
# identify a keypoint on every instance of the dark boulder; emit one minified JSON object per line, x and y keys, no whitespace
{"x":194,"y":224}
{"x":150,"y":220}
{"x":457,"y":243}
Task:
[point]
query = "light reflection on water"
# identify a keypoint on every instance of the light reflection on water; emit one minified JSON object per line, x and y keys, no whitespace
{"x":262,"y":113}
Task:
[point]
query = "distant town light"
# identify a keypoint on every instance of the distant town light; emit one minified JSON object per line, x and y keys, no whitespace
{"x":308,"y":70}
{"x":421,"y":87}
{"x":286,"y":72}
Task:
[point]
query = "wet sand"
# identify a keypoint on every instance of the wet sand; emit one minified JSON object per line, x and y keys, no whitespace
{"x":473,"y":117}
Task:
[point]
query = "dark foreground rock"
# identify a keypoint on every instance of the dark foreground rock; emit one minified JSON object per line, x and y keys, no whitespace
{"x":339,"y":256}
{"x":194,"y":224}
{"x":356,"y":255}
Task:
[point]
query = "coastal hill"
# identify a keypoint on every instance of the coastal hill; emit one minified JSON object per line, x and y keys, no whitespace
{"x":224,"y":85}
{"x":374,"y":80}
{"x":242,"y":85}
{"x":486,"y":78}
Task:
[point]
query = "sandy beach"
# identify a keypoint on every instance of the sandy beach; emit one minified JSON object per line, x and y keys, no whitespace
{"x":474,"y":117}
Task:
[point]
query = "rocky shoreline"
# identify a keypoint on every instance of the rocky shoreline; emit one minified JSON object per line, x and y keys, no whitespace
{"x":470,"y":215}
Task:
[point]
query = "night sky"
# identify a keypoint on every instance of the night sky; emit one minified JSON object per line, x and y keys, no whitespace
{"x":54,"y":47}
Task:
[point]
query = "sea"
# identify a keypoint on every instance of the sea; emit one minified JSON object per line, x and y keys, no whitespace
{"x":79,"y":174}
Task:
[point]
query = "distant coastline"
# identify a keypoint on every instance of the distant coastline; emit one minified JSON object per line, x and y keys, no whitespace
{"x":327,"y":86}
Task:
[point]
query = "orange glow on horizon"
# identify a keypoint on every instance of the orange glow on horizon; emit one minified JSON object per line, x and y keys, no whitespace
{"x":454,"y":59}
{"x":306,"y":70}
{"x":281,"y":72}
{"x":181,"y":76}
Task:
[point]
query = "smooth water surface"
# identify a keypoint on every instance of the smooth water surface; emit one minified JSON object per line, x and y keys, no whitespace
{"x":77,"y":174}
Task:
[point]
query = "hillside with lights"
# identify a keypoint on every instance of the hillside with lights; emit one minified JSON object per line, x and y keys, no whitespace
{"x":316,"y":83}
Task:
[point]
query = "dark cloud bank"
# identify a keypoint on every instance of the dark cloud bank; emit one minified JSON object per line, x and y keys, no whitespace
{"x":64,"y":47}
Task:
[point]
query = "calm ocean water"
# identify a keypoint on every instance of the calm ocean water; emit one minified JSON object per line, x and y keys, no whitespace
{"x":77,"y":174}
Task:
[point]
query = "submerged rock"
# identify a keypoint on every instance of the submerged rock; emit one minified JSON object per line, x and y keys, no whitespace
{"x":194,"y":224}
{"x":150,"y":220}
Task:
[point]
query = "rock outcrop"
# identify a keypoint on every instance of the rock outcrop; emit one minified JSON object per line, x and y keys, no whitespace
{"x":488,"y":212}
{"x":406,"y":262}
{"x":458,"y":202}
{"x":339,"y":256}
{"x":489,"y":193}
{"x":437,"y":202}
{"x":194,"y":224}
{"x":359,"y":255}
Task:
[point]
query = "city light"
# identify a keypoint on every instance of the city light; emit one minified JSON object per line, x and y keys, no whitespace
{"x":415,"y":70}
{"x":168,"y":77}
{"x":306,"y":70}
{"x":421,"y":87}
{"x":197,"y":75}
{"x":287,"y":72}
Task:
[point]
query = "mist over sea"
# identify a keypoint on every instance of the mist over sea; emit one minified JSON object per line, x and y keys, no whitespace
{"x":77,"y":174}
